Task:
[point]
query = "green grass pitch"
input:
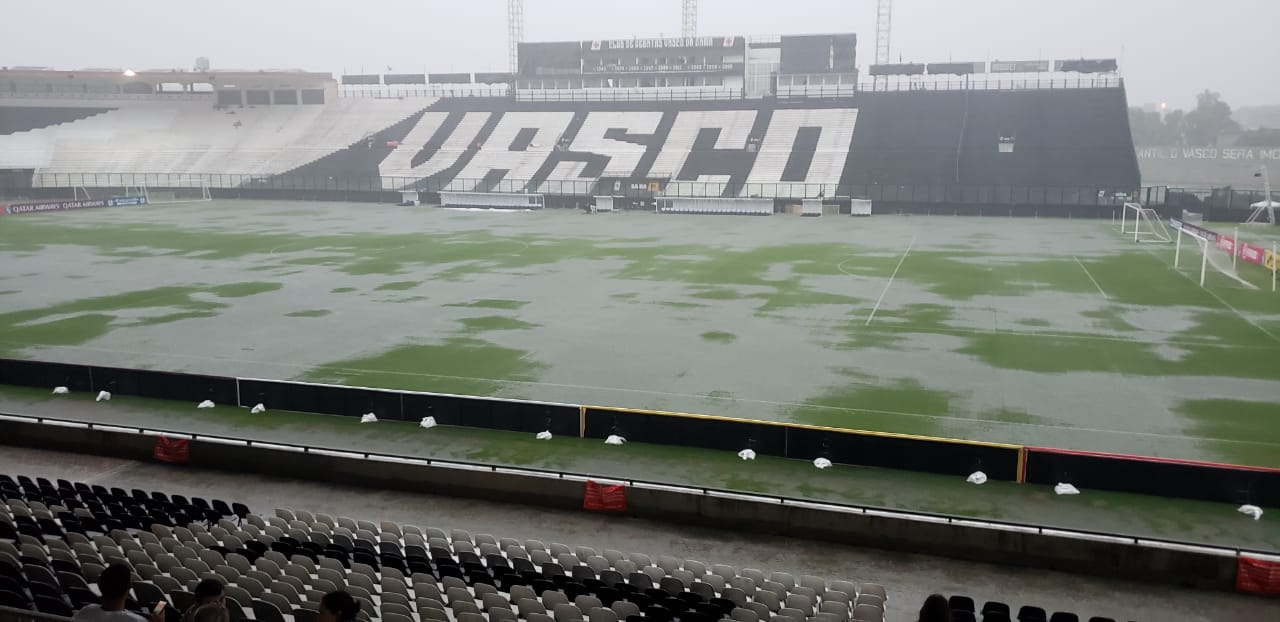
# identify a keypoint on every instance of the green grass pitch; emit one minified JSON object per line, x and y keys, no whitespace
{"x":1045,"y":332}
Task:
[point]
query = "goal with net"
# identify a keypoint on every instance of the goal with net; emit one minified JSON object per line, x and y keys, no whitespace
{"x":1144,"y":224}
{"x":171,"y":195}
{"x":1211,"y":254}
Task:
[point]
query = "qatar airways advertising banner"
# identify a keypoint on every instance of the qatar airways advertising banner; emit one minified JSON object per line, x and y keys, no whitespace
{"x":59,"y":206}
{"x":53,"y":206}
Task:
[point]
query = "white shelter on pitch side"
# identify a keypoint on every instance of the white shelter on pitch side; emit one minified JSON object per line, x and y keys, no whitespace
{"x":1264,"y":212}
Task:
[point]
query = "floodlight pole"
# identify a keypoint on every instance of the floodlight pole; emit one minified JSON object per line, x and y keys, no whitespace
{"x":515,"y":33}
{"x":884,"y":26}
{"x":689,"y":18}
{"x":1275,"y":265}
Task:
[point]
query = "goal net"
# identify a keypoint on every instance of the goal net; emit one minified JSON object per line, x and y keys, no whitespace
{"x":177,"y":194}
{"x":1211,"y":255}
{"x":1144,"y":224}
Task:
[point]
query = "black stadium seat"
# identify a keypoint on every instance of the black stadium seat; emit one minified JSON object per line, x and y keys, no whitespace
{"x":53,"y":606}
{"x":149,"y":526}
{"x":1029,"y":613}
{"x":14,"y":600}
{"x":996,"y":607}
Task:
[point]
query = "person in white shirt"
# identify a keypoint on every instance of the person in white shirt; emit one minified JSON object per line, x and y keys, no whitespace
{"x":115,"y":583}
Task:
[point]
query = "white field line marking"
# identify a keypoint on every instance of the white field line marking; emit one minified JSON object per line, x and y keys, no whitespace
{"x":1090,"y":275}
{"x":872,"y":315}
{"x":1180,"y":437}
{"x":840,"y":267}
{"x":1216,"y":296}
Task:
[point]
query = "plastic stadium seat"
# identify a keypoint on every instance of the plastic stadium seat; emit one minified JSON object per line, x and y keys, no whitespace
{"x":961,"y":603}
{"x":1062,"y":616}
{"x":14,"y":600}
{"x":53,"y":606}
{"x":995,"y":606}
{"x":264,"y":611}
{"x":1029,"y":613}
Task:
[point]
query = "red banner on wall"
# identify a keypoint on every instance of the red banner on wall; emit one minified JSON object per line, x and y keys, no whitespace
{"x":605,"y":498}
{"x":1258,"y":576}
{"x":1253,"y":254}
{"x":172,"y":450}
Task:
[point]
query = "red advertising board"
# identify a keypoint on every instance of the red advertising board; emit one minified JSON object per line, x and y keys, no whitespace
{"x":604,"y":497}
{"x":172,"y":450}
{"x":1253,"y":254}
{"x":1257,"y":575}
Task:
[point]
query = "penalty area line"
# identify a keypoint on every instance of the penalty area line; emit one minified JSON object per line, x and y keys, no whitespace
{"x":893,"y":276}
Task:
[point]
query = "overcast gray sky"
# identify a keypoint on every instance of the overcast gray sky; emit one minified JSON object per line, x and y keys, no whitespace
{"x":1168,"y":49}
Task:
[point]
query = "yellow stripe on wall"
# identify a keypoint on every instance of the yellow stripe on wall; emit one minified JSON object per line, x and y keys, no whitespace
{"x":803,"y":426}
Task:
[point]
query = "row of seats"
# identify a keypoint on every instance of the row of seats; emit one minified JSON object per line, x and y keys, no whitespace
{"x":54,"y":538}
{"x":187,"y":137}
{"x":277,"y":567}
{"x":836,"y":127}
{"x":963,"y":610}
{"x":734,"y":125}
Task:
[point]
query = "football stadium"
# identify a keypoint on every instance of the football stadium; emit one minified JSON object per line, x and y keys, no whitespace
{"x":655,"y":312}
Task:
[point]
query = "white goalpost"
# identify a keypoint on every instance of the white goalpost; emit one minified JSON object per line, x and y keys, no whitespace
{"x":178,"y":195}
{"x":1145,"y":224}
{"x":137,"y":191}
{"x":1210,"y":255}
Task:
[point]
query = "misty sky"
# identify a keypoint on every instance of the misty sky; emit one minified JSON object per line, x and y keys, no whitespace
{"x":1168,"y":49}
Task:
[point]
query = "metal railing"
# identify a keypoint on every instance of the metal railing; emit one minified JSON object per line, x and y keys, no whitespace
{"x":630,"y":94}
{"x":9,"y":614}
{"x":954,"y":83}
{"x":428,"y":90}
{"x":949,"y":194}
{"x":1193,"y":199}
{"x":706,"y":491}
{"x":154,"y":97}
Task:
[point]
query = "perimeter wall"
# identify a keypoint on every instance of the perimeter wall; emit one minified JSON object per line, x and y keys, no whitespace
{"x":959,"y":457}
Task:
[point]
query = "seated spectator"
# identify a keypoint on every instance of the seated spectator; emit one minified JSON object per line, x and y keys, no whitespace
{"x":339,"y":606}
{"x":935,"y":609}
{"x":210,"y":605}
{"x":114,"y":584}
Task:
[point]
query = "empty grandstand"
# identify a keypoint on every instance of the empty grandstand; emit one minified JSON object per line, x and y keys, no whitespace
{"x":815,"y":350}
{"x":952,"y":147}
{"x":57,"y":540}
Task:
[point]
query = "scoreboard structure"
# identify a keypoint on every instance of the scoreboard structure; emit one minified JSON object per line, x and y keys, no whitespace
{"x":730,"y":63}
{"x":633,"y":63}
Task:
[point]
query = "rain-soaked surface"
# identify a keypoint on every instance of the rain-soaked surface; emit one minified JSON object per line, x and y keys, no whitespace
{"x":1047,"y":332}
